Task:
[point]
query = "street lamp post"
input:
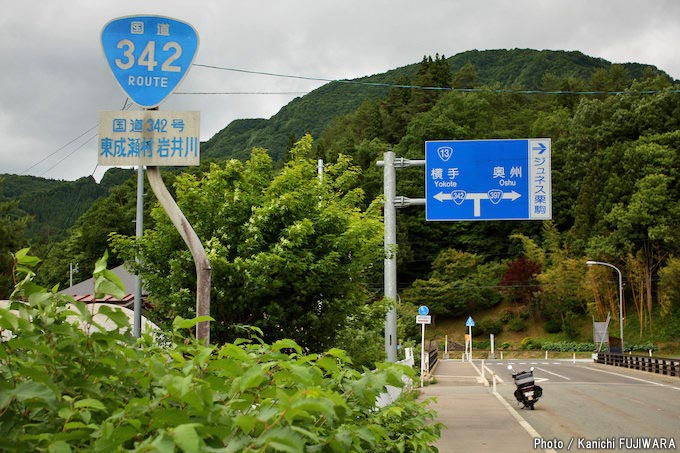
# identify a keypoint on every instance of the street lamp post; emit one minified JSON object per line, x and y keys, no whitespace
{"x":591,"y":263}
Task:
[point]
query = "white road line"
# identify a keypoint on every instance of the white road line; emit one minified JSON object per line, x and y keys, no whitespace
{"x":493,"y":373}
{"x":554,"y":374}
{"x":523,"y":423}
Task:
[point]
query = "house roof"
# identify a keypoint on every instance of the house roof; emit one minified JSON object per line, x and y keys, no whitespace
{"x":85,"y":289}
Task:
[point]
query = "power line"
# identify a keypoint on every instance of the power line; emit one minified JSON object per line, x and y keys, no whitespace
{"x":243,"y":92}
{"x":55,"y":152}
{"x":435,"y":88}
{"x":319,"y":79}
{"x":70,"y":154}
{"x":126,"y":106}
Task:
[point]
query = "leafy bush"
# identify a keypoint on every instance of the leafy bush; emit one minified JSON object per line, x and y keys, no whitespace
{"x":644,"y":347}
{"x":530,"y":344}
{"x":568,"y":346}
{"x":553,"y":326}
{"x":482,"y":344}
{"x":490,"y":326}
{"x":62,"y":389}
{"x":507,"y":316}
{"x":517,"y":325}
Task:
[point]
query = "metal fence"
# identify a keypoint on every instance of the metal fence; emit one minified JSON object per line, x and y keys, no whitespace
{"x":659,"y":365}
{"x":432,"y":358}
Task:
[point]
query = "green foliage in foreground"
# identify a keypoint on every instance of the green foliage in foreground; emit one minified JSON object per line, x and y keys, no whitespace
{"x":62,"y":389}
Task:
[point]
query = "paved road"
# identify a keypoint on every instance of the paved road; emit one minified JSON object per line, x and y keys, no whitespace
{"x":586,"y":403}
{"x":585,"y":406}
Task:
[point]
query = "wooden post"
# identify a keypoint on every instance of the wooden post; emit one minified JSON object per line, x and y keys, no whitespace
{"x":190,"y":237}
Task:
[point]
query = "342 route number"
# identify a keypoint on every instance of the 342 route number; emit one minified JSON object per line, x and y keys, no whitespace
{"x":148,"y":56}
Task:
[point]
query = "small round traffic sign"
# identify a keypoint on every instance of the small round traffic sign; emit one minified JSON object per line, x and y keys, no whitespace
{"x":423,"y":310}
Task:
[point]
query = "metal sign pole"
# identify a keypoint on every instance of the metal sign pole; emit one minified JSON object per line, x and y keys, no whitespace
{"x":390,"y":277}
{"x":139,"y":231}
{"x":390,"y":164}
{"x":422,"y":355}
{"x":190,"y":237}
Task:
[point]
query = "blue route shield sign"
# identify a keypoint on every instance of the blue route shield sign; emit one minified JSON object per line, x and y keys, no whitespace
{"x":149,"y":55}
{"x":488,"y":180}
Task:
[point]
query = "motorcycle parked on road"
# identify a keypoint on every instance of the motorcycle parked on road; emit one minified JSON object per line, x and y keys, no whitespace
{"x":527,"y":392}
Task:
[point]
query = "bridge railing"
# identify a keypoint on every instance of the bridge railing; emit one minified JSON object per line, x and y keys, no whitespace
{"x":432,"y":358}
{"x":659,"y":365}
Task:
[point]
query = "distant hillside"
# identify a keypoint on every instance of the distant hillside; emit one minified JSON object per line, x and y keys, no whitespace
{"x":517,"y":68}
{"x":525,"y":68}
{"x":55,"y":205}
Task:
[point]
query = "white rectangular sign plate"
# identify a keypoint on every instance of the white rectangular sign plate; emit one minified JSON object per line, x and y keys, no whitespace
{"x":149,"y":137}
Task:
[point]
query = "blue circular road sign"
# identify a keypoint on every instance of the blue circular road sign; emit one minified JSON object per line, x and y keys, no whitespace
{"x":423,"y":310}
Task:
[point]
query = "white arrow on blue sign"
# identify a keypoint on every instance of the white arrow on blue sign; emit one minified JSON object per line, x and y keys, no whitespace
{"x":470,"y":322}
{"x":423,"y":310}
{"x":149,"y":55}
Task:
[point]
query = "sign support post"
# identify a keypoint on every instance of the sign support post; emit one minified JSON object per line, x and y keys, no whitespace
{"x":470,"y":323}
{"x":139,"y":231}
{"x":390,"y":277}
{"x":390,"y":164}
{"x":191,"y":239}
{"x":422,"y":319}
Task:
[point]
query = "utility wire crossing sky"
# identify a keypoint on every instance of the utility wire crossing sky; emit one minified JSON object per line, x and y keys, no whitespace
{"x":254,"y":56}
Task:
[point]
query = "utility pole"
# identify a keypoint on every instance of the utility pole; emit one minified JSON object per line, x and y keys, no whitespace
{"x":389,"y":164}
{"x":390,"y":243}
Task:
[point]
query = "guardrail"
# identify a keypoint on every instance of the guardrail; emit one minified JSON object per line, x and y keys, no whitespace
{"x":392,"y":393}
{"x":658,"y":365}
{"x":432,"y":359}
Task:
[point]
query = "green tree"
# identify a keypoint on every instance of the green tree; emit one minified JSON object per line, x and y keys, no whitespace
{"x":460,"y":283}
{"x":89,"y":238}
{"x":466,"y":77}
{"x":291,"y":255}
{"x":669,"y":288}
{"x":563,"y":295}
{"x":11,"y":239}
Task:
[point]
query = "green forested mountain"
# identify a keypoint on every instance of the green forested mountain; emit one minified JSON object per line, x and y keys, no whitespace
{"x":517,"y":68}
{"x":54,"y":205}
{"x":615,"y":171}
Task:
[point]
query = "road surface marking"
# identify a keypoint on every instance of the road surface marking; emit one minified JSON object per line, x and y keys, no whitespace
{"x":555,"y":374}
{"x":523,"y":423}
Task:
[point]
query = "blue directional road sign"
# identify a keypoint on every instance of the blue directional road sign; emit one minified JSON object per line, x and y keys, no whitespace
{"x":488,"y":180}
{"x":423,"y":310}
{"x":149,"y":55}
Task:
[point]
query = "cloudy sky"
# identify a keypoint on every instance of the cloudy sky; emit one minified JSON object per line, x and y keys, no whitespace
{"x":54,"y":78}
